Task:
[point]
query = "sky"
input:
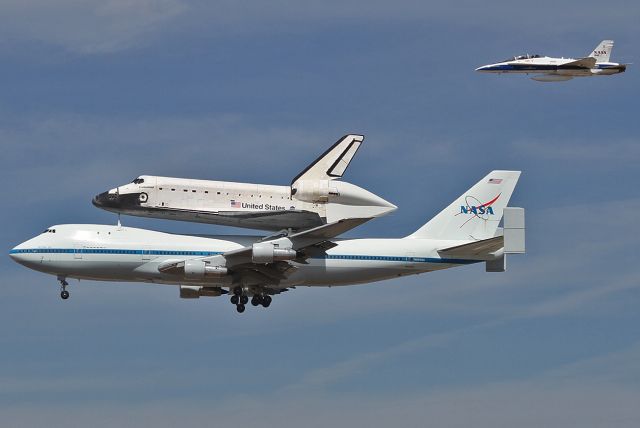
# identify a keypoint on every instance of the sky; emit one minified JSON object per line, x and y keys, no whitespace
{"x":96,"y":93}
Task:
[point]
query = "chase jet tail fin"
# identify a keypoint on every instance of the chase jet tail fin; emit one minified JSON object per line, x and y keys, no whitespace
{"x":332,"y":163}
{"x":476,"y":213}
{"x":603,"y":51}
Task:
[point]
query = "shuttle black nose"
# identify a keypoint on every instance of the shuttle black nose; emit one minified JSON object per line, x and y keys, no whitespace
{"x":106,"y":200}
{"x":119,"y":202}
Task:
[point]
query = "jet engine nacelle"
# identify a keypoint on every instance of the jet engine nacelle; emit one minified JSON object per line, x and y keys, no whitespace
{"x":312,"y":190}
{"x":192,"y":269}
{"x":195,"y":292}
{"x":199,"y":269}
{"x":266,"y":252}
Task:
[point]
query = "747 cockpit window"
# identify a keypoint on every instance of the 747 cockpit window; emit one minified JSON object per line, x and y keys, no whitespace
{"x":138,"y":181}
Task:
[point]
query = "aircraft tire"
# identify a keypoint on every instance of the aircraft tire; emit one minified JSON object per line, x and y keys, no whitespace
{"x":64,"y":294}
{"x":235,"y":299}
{"x":256,"y":300}
{"x":266,"y":301}
{"x":240,"y":308}
{"x":244,"y":300}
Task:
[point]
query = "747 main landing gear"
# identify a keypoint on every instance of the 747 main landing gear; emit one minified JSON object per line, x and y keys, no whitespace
{"x":261,"y":300}
{"x":240,"y":300}
{"x":64,"y":294}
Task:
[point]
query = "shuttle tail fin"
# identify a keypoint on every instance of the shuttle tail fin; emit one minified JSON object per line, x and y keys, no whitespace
{"x":602,"y":52}
{"x":332,"y":163}
{"x":476,"y":213}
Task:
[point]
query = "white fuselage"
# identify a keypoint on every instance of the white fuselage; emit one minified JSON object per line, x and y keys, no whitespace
{"x":114,"y":253}
{"x":303,"y":205}
{"x":555,"y":66}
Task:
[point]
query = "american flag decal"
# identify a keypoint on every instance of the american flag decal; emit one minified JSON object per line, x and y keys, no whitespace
{"x":235,"y":204}
{"x":495,"y":180}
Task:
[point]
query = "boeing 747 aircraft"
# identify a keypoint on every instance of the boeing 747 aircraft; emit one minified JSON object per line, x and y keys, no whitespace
{"x":464,"y":233}
{"x":314,"y":197}
{"x":548,"y":69}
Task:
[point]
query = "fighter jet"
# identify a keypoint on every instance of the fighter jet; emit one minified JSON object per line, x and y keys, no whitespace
{"x":548,"y":69}
{"x":464,"y":233}
{"x":314,"y":197}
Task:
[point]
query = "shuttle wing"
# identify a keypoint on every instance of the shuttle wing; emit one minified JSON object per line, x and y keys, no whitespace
{"x":588,"y":62}
{"x":333,"y":163}
{"x":272,"y":220}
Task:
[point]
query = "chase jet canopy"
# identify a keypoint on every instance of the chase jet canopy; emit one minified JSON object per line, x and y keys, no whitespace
{"x":333,"y":163}
{"x":527,"y":56}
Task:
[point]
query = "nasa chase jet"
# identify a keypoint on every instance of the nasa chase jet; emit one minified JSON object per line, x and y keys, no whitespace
{"x":257,"y":268}
{"x":548,"y":69}
{"x":314,"y":197}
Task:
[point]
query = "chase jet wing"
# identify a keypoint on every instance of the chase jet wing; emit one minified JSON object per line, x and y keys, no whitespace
{"x":588,"y":62}
{"x":332,"y":163}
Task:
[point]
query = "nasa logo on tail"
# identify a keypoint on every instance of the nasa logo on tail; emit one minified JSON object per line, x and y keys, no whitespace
{"x":476,"y":208}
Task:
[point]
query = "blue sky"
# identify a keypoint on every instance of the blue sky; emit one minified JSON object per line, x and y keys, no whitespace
{"x":96,"y":94}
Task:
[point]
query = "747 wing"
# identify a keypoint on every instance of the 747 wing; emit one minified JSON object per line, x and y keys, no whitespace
{"x":267,"y":262}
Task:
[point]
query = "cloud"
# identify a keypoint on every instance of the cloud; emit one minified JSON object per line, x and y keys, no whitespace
{"x":87,"y":27}
{"x":604,"y":152}
{"x":98,"y":27}
{"x":106,"y":152}
{"x":526,"y":404}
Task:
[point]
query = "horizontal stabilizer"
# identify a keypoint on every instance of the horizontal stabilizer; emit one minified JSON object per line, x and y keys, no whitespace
{"x":478,"y":249}
{"x":333,"y":163}
{"x":588,"y":62}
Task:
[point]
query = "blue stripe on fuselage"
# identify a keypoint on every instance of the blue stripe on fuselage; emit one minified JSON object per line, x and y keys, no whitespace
{"x":213,"y":253}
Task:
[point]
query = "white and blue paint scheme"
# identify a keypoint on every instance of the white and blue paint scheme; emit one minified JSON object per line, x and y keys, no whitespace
{"x":549,"y":69}
{"x":256,"y":267}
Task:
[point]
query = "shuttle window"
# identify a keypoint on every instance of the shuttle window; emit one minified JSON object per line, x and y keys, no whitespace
{"x":138,"y":181}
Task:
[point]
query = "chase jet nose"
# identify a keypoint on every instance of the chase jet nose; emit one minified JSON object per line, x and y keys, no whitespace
{"x":486,"y":68}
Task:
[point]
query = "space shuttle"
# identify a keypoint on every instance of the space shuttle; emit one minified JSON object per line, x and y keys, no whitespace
{"x":315,"y":197}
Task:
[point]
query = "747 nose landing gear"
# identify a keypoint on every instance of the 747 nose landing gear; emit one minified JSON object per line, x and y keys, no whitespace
{"x":64,"y":294}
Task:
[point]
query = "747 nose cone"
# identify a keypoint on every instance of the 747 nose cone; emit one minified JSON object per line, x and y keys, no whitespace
{"x":18,"y":254}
